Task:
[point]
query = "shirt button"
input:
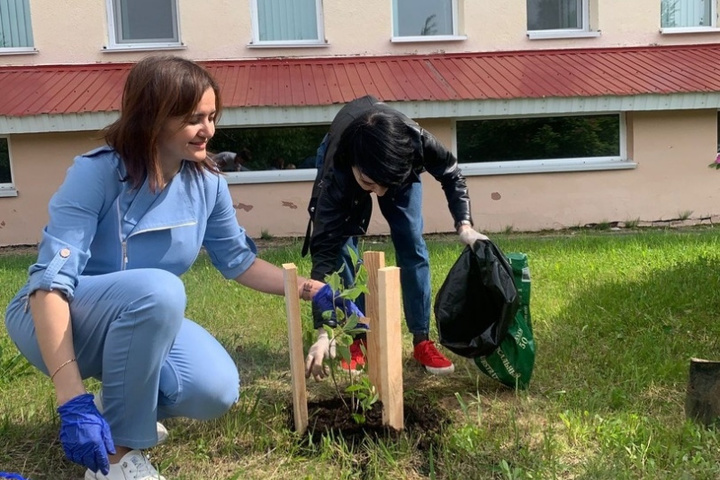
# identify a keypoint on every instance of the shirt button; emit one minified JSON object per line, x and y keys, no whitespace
{"x":65,"y":252}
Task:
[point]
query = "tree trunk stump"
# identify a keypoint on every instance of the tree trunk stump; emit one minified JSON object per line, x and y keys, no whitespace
{"x":702,"y":402}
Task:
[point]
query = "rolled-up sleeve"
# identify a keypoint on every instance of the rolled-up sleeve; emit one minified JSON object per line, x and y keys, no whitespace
{"x":230,"y":249}
{"x":64,"y":249}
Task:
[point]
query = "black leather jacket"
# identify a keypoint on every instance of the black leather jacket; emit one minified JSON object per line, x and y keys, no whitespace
{"x":339,"y":208}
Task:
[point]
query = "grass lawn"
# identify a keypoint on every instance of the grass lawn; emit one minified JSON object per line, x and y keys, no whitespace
{"x":616,"y":316}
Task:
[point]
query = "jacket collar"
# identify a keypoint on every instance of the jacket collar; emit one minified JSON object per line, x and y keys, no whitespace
{"x":143,"y":210}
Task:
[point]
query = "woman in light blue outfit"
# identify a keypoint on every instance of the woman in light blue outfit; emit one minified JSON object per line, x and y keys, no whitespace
{"x":104,"y":298}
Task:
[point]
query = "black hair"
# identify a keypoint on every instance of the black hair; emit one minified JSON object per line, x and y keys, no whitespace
{"x":380,"y":144}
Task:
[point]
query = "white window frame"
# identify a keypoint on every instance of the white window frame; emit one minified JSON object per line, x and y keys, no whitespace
{"x":115,"y":45}
{"x":583,"y":32}
{"x":257,"y":43}
{"x":455,"y":36}
{"x":21,"y":50}
{"x":8,"y":189}
{"x":712,"y":28}
{"x":550,"y":165}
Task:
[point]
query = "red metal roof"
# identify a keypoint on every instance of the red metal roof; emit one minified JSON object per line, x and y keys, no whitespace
{"x":63,"y":89}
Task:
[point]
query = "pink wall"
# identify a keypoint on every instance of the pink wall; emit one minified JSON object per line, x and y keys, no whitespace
{"x":672,"y":150}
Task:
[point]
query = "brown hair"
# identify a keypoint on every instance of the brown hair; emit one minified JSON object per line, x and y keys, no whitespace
{"x":157,"y":88}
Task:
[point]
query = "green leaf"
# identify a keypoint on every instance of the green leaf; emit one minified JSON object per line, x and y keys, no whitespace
{"x":344,"y":352}
{"x":359,"y":418}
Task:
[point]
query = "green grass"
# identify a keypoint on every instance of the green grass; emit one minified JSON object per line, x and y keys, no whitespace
{"x":617,"y":318}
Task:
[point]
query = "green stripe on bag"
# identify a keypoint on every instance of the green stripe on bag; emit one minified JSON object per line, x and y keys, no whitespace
{"x":513,"y":361}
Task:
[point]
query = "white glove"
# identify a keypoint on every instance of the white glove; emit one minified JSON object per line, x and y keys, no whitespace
{"x":469,"y":236}
{"x":323,"y":348}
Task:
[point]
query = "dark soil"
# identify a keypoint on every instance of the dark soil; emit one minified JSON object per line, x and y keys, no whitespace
{"x":331,"y":417}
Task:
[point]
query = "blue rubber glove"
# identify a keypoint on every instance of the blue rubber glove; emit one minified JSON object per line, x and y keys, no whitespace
{"x":325,"y":300}
{"x":84,"y":434}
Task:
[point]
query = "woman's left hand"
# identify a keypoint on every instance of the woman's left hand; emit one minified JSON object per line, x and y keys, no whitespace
{"x":84,"y":434}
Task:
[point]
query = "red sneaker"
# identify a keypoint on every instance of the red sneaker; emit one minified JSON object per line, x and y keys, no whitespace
{"x":357,"y":357}
{"x":430,"y":358}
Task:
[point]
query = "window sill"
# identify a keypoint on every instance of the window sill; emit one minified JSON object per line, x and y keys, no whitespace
{"x":143,"y":47}
{"x":271,"y":176}
{"x":686,"y":30}
{"x":288,"y":44}
{"x":546,"y":166}
{"x":560,"y":34}
{"x":19,"y":51}
{"x":8,"y":191}
{"x":429,"y":38}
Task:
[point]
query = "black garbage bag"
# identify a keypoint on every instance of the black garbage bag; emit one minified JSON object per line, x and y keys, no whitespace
{"x":477,"y":301}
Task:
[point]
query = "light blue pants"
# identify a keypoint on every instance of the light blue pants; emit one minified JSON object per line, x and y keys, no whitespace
{"x":130,"y":331}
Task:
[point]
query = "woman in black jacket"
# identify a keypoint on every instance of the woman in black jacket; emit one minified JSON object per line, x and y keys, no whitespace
{"x":373,"y":148}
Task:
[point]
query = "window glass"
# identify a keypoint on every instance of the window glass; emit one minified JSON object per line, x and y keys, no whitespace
{"x":271,"y":148}
{"x":287,"y":20}
{"x":538,"y":138}
{"x":686,"y":13}
{"x":15,"y":25}
{"x":554,"y":14}
{"x":140,"y":21}
{"x":415,"y":18}
{"x":5,"y":174}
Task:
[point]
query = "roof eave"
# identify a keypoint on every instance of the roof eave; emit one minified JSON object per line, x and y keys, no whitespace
{"x":323,"y":114}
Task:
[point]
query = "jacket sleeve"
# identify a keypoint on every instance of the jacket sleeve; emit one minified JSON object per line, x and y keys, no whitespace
{"x":443,"y":165}
{"x":328,"y":232}
{"x":230,"y":250}
{"x":74,"y":209}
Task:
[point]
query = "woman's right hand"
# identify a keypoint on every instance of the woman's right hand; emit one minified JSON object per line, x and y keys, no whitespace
{"x":84,"y":434}
{"x":328,"y":300}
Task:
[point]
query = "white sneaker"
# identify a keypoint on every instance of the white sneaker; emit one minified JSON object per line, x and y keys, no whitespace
{"x":134,"y":465}
{"x":162,"y":433}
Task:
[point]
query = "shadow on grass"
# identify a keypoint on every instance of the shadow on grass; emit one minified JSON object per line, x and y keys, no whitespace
{"x":627,"y":344}
{"x":33,"y":450}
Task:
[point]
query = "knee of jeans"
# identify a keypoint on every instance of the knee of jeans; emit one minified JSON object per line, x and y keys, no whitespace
{"x":162,"y":293}
{"x":220,"y":399}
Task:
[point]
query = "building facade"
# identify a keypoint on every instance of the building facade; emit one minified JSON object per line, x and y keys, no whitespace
{"x":562,"y":112}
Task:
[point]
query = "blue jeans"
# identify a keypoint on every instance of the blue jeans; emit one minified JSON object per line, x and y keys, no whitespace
{"x":402,"y":209}
{"x":130,"y":331}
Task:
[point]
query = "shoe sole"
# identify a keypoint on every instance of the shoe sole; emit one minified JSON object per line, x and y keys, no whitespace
{"x":440,"y":371}
{"x":354,"y":372}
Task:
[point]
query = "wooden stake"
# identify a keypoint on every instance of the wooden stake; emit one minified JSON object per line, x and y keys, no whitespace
{"x":390,"y":348}
{"x":297,"y":364}
{"x":702,"y":402}
{"x":373,"y":261}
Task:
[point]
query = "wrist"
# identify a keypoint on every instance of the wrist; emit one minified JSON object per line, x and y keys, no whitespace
{"x":463,"y":225}
{"x":309,"y":288}
{"x":64,"y":395}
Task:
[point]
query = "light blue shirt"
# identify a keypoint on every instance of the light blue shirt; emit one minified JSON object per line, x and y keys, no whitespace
{"x":98,"y":225}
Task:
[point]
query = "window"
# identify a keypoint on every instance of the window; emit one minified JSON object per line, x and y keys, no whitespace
{"x":271,"y":154}
{"x":518,"y":145}
{"x":687,"y":13}
{"x":287,"y":22}
{"x":15,"y":26}
{"x":6,"y":185}
{"x":425,"y":18}
{"x":556,"y":14}
{"x":138,"y":23}
{"x":561,"y":18}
